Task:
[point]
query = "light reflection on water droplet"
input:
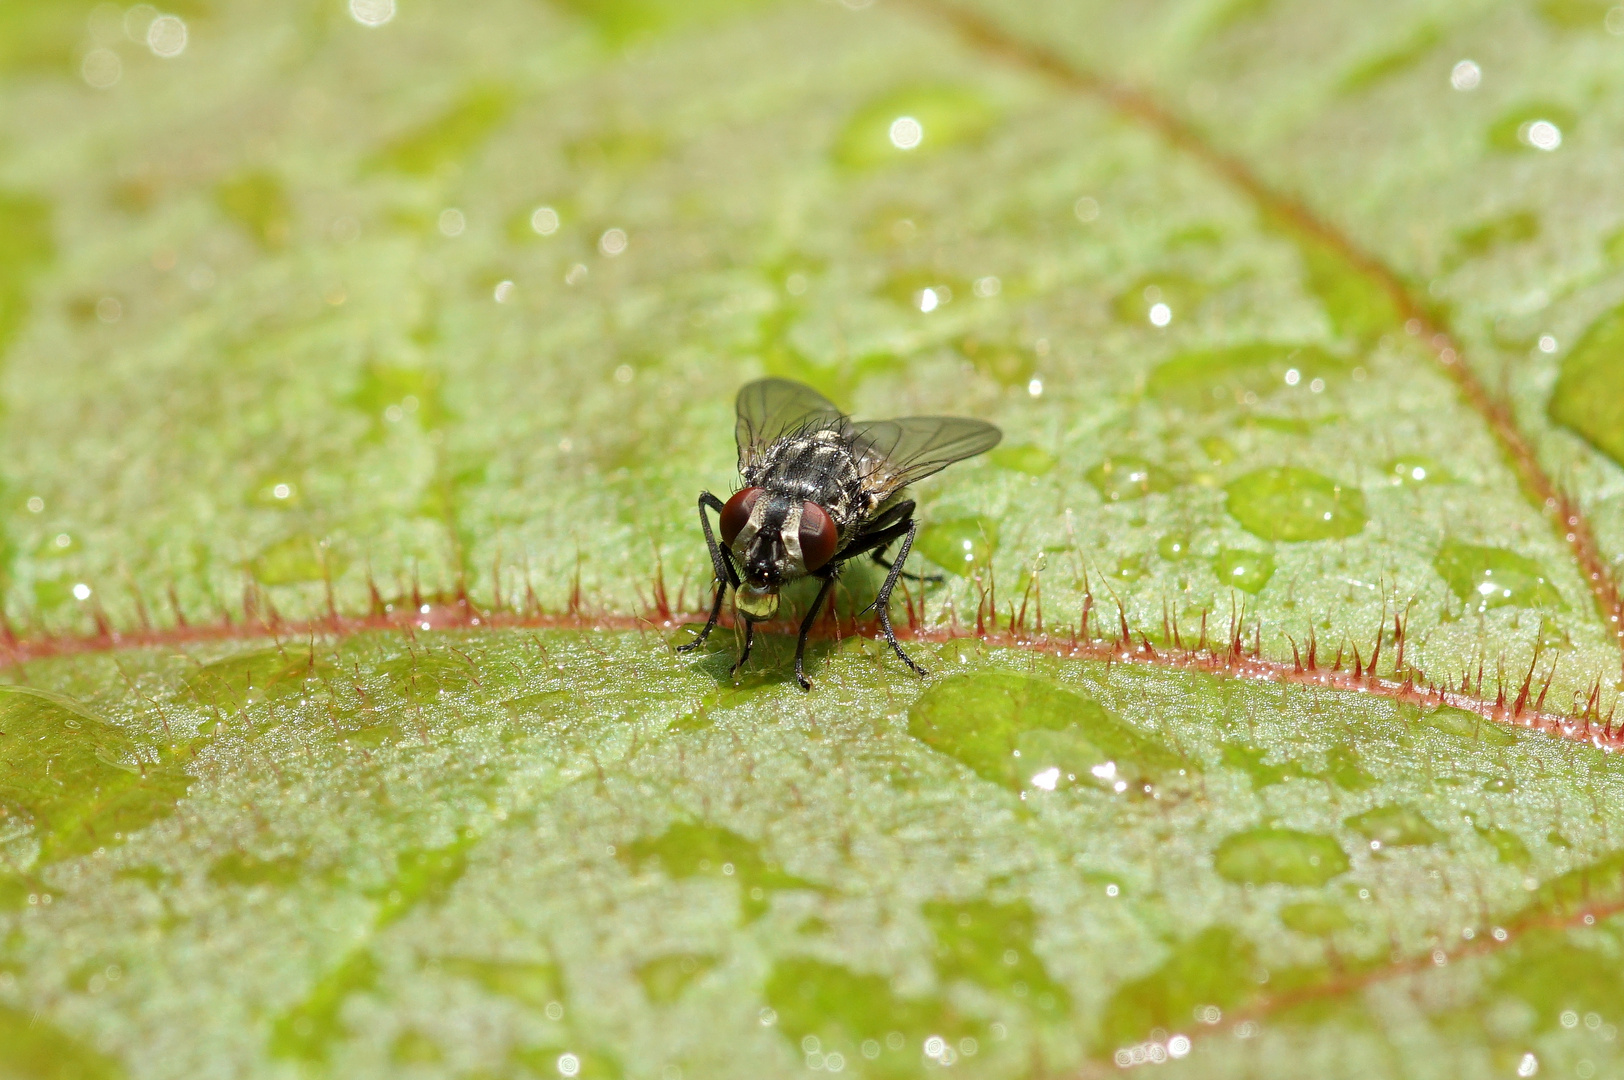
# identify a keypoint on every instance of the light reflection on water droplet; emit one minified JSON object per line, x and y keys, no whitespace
{"x":1465,"y":76}
{"x":137,"y":20}
{"x":544,"y":221}
{"x":906,"y":133}
{"x":1541,"y":135}
{"x":101,"y":68}
{"x":612,"y":242}
{"x":166,"y":36}
{"x":504,"y":291}
{"x":372,"y":12}
{"x":452,"y":223}
{"x":1160,"y":315}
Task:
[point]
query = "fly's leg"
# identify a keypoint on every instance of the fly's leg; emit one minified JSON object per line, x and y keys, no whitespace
{"x":744,"y":654}
{"x":806,"y":628}
{"x":721,"y":562}
{"x":882,"y":602}
{"x":927,"y":579}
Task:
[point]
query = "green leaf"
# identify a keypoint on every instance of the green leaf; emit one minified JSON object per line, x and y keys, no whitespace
{"x":364,"y":364}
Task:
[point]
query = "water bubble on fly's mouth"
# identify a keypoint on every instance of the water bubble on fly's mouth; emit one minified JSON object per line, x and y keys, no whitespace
{"x":757,"y":604}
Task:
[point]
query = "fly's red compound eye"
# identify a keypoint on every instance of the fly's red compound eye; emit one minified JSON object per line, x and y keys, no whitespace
{"x":818,"y":535}
{"x":736,"y":514}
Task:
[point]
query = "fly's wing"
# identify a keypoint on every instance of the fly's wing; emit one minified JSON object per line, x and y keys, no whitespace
{"x":772,"y":408}
{"x":895,"y":453}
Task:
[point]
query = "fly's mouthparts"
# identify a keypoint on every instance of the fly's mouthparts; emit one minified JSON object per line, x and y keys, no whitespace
{"x":757,"y":604}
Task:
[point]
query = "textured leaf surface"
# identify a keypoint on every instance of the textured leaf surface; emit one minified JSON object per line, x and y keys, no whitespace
{"x":441,"y":319}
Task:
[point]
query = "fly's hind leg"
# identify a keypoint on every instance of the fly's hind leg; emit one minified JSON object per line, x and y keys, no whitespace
{"x":926,"y":579}
{"x":721,"y":563}
{"x":882,"y":602}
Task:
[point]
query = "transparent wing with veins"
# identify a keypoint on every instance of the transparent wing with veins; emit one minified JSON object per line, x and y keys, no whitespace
{"x":770,"y":409}
{"x":896,"y":453}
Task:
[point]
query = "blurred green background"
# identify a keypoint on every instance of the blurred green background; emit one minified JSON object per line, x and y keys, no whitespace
{"x":328,"y":308}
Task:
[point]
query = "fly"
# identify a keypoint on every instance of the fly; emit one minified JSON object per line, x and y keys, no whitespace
{"x":820,"y":489}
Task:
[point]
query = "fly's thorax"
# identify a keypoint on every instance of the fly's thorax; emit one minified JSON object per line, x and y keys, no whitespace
{"x":819,"y":467}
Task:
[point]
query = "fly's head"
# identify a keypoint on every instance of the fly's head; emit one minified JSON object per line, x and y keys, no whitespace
{"x":775,"y":538}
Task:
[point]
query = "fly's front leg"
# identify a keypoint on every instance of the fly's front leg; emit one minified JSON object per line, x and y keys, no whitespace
{"x":744,"y":653}
{"x":806,"y":628}
{"x":721,"y":563}
{"x":882,"y":602}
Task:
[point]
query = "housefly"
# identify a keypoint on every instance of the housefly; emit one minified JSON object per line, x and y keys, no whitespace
{"x":820,"y":489}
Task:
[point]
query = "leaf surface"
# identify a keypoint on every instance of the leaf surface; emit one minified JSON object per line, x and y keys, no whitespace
{"x":362,"y":366}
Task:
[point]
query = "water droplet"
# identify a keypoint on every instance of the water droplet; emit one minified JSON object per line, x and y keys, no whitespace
{"x":452,"y":223}
{"x":1315,"y":917}
{"x":1538,"y":126}
{"x":1212,"y":379}
{"x":1395,"y":825}
{"x":1012,"y":729}
{"x":1467,"y":725}
{"x":101,"y":68}
{"x":1248,"y":571}
{"x":613,"y":242}
{"x":1589,"y":393}
{"x":1541,"y":135}
{"x":919,"y":120}
{"x":906,"y":133}
{"x":1294,"y":504}
{"x":1126,"y":477}
{"x":664,"y":979}
{"x":1489,"y":577}
{"x":1465,"y":75}
{"x":1086,"y":208}
{"x":1412,"y":470}
{"x":1160,"y":314}
{"x":450,"y":136}
{"x":1173,"y":547}
{"x":166,"y":36}
{"x":1023,"y":458}
{"x":544,"y":221}
{"x":1007,"y":363}
{"x":1284,"y":856}
{"x":959,"y":545}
